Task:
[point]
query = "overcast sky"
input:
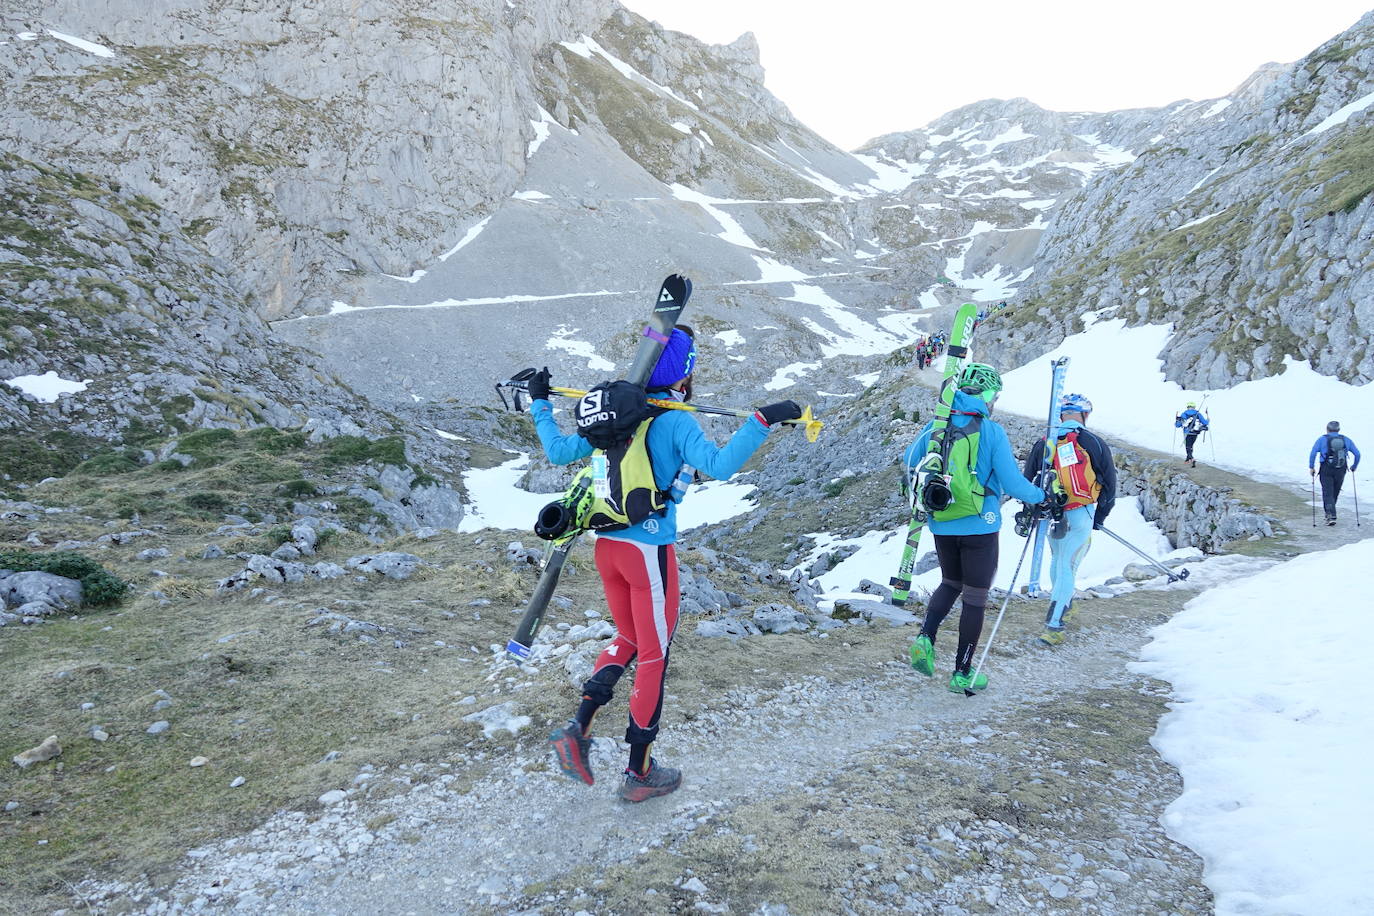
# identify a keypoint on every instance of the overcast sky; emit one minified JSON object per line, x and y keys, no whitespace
{"x":856,"y":69}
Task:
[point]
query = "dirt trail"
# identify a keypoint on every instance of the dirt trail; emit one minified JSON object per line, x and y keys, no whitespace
{"x":821,"y":776}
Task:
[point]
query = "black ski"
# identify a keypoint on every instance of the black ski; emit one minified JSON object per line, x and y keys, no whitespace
{"x":672,"y":299}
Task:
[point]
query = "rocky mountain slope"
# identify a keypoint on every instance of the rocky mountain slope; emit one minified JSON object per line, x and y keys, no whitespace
{"x":1247,"y":226}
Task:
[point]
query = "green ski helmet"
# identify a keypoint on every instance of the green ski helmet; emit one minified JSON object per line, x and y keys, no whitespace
{"x":980,"y":380}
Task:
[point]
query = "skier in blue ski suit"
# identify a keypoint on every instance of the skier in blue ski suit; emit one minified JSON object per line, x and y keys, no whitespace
{"x":1193,"y":423}
{"x":1334,"y":451}
{"x":1072,"y":533}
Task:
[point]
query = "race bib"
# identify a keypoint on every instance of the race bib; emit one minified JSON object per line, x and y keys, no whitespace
{"x":1067,"y":455}
{"x":601,"y":483}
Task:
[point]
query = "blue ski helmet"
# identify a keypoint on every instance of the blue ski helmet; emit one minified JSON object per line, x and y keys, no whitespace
{"x":676,"y":362}
{"x":1075,"y":403}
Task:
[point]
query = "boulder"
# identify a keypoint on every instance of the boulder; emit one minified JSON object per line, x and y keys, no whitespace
{"x":25,"y":587}
{"x":45,"y":751}
{"x":779,"y":618}
{"x":392,"y":564}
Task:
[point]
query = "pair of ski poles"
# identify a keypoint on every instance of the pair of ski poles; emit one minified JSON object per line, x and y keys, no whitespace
{"x":1011,"y":588}
{"x":1355,"y":491}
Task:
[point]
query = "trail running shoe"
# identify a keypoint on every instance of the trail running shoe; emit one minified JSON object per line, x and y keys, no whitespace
{"x":657,"y":781}
{"x":1052,"y":636}
{"x":923,"y":655}
{"x":571,"y":748}
{"x":961,"y":681}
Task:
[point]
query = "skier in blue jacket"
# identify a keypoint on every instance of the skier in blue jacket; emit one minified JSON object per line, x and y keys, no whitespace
{"x":638,"y":565}
{"x":1334,"y":451}
{"x":1193,"y":423}
{"x":967,"y":547}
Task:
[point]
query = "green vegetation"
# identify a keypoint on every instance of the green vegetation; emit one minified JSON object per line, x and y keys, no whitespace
{"x":357,"y":450}
{"x":1345,"y":171}
{"x":99,"y":587}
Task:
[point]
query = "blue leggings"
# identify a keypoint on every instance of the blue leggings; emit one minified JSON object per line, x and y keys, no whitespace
{"x":1065,"y":555}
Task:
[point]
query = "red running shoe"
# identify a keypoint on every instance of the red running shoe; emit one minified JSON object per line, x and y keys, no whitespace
{"x":571,"y":748}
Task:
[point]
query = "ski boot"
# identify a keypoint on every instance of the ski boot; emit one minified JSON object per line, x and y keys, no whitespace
{"x":571,"y":748}
{"x":923,"y":655}
{"x":961,"y":681}
{"x":656,"y":781}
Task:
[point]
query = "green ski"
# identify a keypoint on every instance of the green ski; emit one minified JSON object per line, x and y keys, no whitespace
{"x":929,"y":476}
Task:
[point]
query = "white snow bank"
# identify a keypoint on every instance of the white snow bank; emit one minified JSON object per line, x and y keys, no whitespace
{"x":343,"y":308}
{"x":468,"y":236}
{"x":1270,"y":729}
{"x":497,"y":502}
{"x":89,"y":47}
{"x":563,"y":339}
{"x":1342,"y":114}
{"x":47,"y":387}
{"x":714,"y":501}
{"x":1119,"y":370}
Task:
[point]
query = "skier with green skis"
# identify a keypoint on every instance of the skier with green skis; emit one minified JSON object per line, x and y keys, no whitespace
{"x":638,"y":565}
{"x":982,"y":471}
{"x":1085,"y":475}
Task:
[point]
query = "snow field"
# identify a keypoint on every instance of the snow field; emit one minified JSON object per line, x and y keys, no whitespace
{"x":1264,"y":428}
{"x":1270,"y":729}
{"x":47,"y":387}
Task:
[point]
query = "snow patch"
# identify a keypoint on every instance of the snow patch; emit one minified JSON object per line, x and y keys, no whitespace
{"x":47,"y":387}
{"x":1274,"y":757}
{"x":563,"y":340}
{"x":467,"y":238}
{"x":89,"y":47}
{"x":1341,"y":115}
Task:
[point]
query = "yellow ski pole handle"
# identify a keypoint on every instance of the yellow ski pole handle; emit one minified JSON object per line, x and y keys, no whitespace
{"x":809,"y":424}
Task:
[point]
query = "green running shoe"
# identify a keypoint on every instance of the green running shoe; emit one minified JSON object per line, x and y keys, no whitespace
{"x":1053,"y":636}
{"x":959,"y":682}
{"x":923,"y":655}
{"x":1070,"y":613}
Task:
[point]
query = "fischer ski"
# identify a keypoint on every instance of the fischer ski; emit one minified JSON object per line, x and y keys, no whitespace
{"x":1058,"y":369}
{"x":672,"y":299}
{"x":930,"y":473}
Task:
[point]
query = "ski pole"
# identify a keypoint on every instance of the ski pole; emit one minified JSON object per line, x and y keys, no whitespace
{"x":1173,"y":576}
{"x":809,"y":423}
{"x":1011,"y":588}
{"x":1356,"y":491}
{"x":1313,"y":478}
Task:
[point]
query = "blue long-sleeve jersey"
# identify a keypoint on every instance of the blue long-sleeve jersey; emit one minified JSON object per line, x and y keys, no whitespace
{"x":677,"y":447}
{"x":1318,"y":453}
{"x":998,"y":471}
{"x":1183,"y":420}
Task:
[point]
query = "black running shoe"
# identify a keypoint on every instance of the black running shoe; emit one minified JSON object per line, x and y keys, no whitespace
{"x":657,"y":781}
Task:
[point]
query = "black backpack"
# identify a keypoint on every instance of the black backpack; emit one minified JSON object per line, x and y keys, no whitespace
{"x":608,"y":415}
{"x":1335,"y":451}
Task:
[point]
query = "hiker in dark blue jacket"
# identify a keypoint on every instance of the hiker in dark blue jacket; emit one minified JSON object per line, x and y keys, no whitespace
{"x":1193,"y":423}
{"x":967,"y":547}
{"x":1336,"y":453}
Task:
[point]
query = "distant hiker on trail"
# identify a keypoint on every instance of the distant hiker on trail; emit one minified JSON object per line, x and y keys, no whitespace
{"x":967,"y":546}
{"x":1193,"y":423}
{"x":638,"y":565}
{"x":923,"y":353}
{"x":1337,"y":454}
{"x":1085,"y":474}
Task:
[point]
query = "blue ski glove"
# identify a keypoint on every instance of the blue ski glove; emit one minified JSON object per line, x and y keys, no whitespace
{"x":538,"y":385}
{"x":776,"y":413}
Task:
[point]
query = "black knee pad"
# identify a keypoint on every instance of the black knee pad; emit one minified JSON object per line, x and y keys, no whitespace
{"x":978,"y":597}
{"x":636,"y":735}
{"x":600,"y":687}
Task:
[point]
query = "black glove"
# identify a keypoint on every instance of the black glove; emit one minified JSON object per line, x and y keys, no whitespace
{"x":538,"y":385}
{"x":1054,"y":503}
{"x":776,"y":413}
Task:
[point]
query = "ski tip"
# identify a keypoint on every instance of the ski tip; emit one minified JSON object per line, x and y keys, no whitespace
{"x":969,"y":693}
{"x":518,"y":650}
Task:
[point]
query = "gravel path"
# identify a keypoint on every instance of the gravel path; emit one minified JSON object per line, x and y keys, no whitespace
{"x":851,"y":786}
